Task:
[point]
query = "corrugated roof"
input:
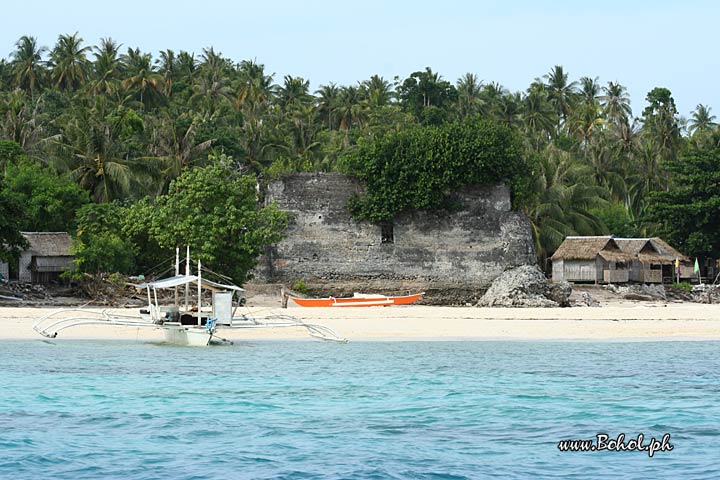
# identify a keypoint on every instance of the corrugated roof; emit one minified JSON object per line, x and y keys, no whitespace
{"x":49,"y":244}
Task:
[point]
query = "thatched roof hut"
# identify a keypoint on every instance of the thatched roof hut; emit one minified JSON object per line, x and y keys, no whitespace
{"x":49,"y":254}
{"x":590,"y":259}
{"x":636,"y":256}
{"x":651,"y":250}
{"x":668,"y":251}
{"x":644,"y":251}
{"x":49,"y":244}
{"x":588,"y":248}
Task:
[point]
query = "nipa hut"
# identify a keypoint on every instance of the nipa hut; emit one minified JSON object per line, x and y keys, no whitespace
{"x":591,"y":259}
{"x":653,"y":259}
{"x":47,"y":257}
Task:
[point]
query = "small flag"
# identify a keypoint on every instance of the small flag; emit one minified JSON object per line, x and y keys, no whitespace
{"x":697,"y":266}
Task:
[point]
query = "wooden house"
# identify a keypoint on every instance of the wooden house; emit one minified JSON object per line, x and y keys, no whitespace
{"x":687,"y":266}
{"x":590,"y":259}
{"x":47,"y":257}
{"x":654,"y":260}
{"x":648,"y":261}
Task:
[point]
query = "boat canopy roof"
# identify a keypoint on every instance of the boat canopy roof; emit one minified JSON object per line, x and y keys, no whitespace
{"x":178,"y":280}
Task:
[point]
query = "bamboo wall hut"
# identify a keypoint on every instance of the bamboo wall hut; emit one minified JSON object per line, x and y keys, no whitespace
{"x":687,"y":270}
{"x":605,"y":259}
{"x":654,"y":260}
{"x":590,"y":259}
{"x":47,"y":257}
{"x":648,"y":261}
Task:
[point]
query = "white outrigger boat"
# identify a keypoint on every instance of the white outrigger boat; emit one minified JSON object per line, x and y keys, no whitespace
{"x":183,"y":324}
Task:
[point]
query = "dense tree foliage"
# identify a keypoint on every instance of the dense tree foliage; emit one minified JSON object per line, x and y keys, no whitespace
{"x":49,"y":201}
{"x":419,"y":167}
{"x":217,"y":212}
{"x":100,"y":245}
{"x":123,"y":124}
{"x":690,"y":209}
{"x":213,"y":209}
{"x":11,"y":242}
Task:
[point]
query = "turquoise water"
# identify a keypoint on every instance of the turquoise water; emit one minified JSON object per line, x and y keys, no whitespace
{"x":445,"y":410}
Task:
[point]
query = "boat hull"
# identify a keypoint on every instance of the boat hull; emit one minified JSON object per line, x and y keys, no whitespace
{"x":358,"y":301}
{"x":187,"y":336}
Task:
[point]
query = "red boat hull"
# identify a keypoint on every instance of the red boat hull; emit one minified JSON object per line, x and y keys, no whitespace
{"x":363,"y":301}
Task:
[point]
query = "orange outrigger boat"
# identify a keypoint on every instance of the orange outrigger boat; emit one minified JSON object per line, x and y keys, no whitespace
{"x":358,"y":300}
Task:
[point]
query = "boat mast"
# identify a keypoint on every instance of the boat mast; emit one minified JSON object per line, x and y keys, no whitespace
{"x":199,"y":292}
{"x":177,"y":272}
{"x":187,"y":272}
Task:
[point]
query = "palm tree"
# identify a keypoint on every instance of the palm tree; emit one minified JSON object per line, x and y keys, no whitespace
{"x":302,"y":128}
{"x":187,"y":67}
{"x":22,"y":119}
{"x":175,"y":147}
{"x":255,"y":91}
{"x":255,"y":86}
{"x":508,"y":110}
{"x":27,"y":64}
{"x":327,"y":104}
{"x":605,"y":167}
{"x":349,"y":107}
{"x":589,"y":90}
{"x":107,"y":67}
{"x":213,"y":65}
{"x":167,"y":67}
{"x":469,"y":89}
{"x":616,"y":103}
{"x":210,"y":94}
{"x":561,"y":93}
{"x":69,"y":62}
{"x":564,"y":197}
{"x":93,"y":148}
{"x":142,"y":77}
{"x":377,"y":92}
{"x":701,"y":120}
{"x":586,"y":119}
{"x":538,"y":114}
{"x":294,"y":91}
{"x":660,"y":123}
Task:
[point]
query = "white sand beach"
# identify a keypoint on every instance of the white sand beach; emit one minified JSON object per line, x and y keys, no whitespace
{"x":622,"y":321}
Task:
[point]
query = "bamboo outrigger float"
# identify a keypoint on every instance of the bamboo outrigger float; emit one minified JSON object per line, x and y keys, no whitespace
{"x":184,"y":324}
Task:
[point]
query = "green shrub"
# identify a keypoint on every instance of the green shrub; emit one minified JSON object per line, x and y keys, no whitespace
{"x":301,"y":287}
{"x":683,"y":286}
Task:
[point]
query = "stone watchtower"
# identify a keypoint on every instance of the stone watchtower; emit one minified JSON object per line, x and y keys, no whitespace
{"x":453,"y":255}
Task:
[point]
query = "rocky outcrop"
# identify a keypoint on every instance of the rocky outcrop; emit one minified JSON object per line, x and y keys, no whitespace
{"x":643,"y":292}
{"x":525,"y":286}
{"x":453,"y":255}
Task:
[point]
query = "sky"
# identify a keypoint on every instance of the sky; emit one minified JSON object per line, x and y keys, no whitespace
{"x":640,"y":43}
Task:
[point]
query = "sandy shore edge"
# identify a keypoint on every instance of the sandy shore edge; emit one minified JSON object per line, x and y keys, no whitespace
{"x":620,"y":322}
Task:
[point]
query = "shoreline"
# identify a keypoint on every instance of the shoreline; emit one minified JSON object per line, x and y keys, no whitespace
{"x":621,"y":322}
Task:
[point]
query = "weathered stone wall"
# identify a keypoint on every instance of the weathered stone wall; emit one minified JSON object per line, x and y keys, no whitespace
{"x":454,"y":256}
